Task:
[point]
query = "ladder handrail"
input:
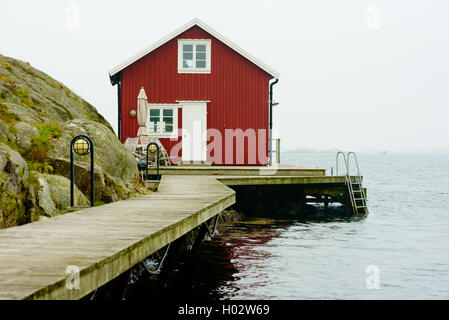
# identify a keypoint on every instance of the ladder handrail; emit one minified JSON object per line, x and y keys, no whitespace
{"x":358,"y":179}
{"x":349,"y":183}
{"x":355,"y":160}
{"x":344,"y":160}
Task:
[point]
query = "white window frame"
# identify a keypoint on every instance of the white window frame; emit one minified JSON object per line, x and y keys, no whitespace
{"x":194,"y":42}
{"x":160,"y":134}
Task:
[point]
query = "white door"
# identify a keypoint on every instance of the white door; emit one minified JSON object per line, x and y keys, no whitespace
{"x":194,"y":129}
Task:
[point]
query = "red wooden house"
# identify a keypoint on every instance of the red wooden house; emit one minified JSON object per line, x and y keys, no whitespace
{"x":209,"y":100}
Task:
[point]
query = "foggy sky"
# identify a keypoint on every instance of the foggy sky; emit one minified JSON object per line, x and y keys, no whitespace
{"x":355,"y":74}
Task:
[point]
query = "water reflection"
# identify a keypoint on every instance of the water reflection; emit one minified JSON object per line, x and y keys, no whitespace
{"x":235,"y":261}
{"x":325,"y":255}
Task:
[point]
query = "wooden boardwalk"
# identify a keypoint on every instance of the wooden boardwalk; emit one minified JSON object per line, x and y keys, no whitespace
{"x":275,"y":170}
{"x":104,"y":241}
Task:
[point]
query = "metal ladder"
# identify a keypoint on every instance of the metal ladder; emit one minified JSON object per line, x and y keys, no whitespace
{"x":355,"y":187}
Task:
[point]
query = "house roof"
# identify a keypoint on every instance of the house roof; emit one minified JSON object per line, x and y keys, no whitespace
{"x":195,"y":22}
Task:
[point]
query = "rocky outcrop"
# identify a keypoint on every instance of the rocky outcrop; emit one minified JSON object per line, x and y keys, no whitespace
{"x":115,"y":172}
{"x":52,"y":194}
{"x":39,"y":117}
{"x":25,"y":132}
{"x":14,"y":188}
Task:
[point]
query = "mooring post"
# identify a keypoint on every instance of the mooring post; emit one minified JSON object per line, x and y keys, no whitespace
{"x":348,"y":205}
{"x":326,"y":201}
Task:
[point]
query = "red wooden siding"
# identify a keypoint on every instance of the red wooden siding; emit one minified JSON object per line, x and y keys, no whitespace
{"x":236,"y":88}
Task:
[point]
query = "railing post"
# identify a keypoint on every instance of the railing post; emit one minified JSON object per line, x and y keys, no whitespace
{"x":278,"y":150}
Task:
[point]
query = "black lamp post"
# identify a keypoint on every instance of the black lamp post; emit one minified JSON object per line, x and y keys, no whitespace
{"x":153,"y":147}
{"x":82,"y":145}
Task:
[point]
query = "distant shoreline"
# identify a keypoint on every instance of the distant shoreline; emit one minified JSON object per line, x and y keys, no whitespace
{"x":307,"y":150}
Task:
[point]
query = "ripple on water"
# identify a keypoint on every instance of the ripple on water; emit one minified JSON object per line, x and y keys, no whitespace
{"x":405,"y":237}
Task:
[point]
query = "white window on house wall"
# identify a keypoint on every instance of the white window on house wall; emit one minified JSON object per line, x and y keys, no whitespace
{"x":194,"y":55}
{"x":163,"y":120}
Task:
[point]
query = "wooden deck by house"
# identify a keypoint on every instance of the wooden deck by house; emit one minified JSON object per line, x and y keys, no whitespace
{"x":105,"y":241}
{"x":276,"y":170}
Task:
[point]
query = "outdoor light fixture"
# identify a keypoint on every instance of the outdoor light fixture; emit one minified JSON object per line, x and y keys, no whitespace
{"x":82,"y":145}
{"x":153,"y":148}
{"x":133,"y":113}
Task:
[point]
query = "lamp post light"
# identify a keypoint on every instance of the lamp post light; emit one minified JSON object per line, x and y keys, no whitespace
{"x":153,"y":148}
{"x":82,"y":145}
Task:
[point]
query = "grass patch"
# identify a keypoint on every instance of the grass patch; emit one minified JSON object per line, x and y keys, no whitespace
{"x":24,"y":97}
{"x":99,"y":203}
{"x":8,"y":117}
{"x":41,"y":167}
{"x":119,"y":190}
{"x":41,"y":145}
{"x":5,"y":78}
{"x":7,"y":66}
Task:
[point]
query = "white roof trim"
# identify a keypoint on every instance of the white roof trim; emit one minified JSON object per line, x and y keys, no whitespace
{"x":185,"y":27}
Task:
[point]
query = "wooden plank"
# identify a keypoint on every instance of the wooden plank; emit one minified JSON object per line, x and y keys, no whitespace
{"x":265,"y":180}
{"x":104,"y":241}
{"x":277,"y":170}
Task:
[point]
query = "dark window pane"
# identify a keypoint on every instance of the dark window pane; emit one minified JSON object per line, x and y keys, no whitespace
{"x":168,"y":128}
{"x":200,"y":48}
{"x":201,"y":64}
{"x":155,"y":112}
{"x":168,"y":112}
{"x":201,"y":55}
{"x":168,"y":120}
{"x":187,"y":47}
{"x":188,"y":55}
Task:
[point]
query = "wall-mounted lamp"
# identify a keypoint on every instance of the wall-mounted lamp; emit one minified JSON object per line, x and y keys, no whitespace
{"x":133,"y":113}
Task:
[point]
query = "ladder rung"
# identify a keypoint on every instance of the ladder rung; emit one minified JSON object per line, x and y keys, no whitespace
{"x":358,"y":199}
{"x":360,"y":207}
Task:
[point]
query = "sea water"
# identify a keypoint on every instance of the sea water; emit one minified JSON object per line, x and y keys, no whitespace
{"x":399,"y":251}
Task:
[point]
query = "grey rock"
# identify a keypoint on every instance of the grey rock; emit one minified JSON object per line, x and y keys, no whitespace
{"x":45,"y":200}
{"x":25,"y":134}
{"x":31,"y":97}
{"x":14,"y":175}
{"x":59,"y":188}
{"x":4,"y":130}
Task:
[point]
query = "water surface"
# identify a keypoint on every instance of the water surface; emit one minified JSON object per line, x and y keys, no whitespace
{"x":405,"y":237}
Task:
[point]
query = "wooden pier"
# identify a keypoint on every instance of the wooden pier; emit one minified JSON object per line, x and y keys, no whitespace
{"x":104,"y":242}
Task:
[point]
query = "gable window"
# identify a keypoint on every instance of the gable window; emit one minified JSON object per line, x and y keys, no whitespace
{"x":163,"y":120}
{"x":194,"y":55}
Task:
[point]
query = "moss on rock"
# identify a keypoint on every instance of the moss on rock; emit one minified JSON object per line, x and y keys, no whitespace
{"x":39,"y":117}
